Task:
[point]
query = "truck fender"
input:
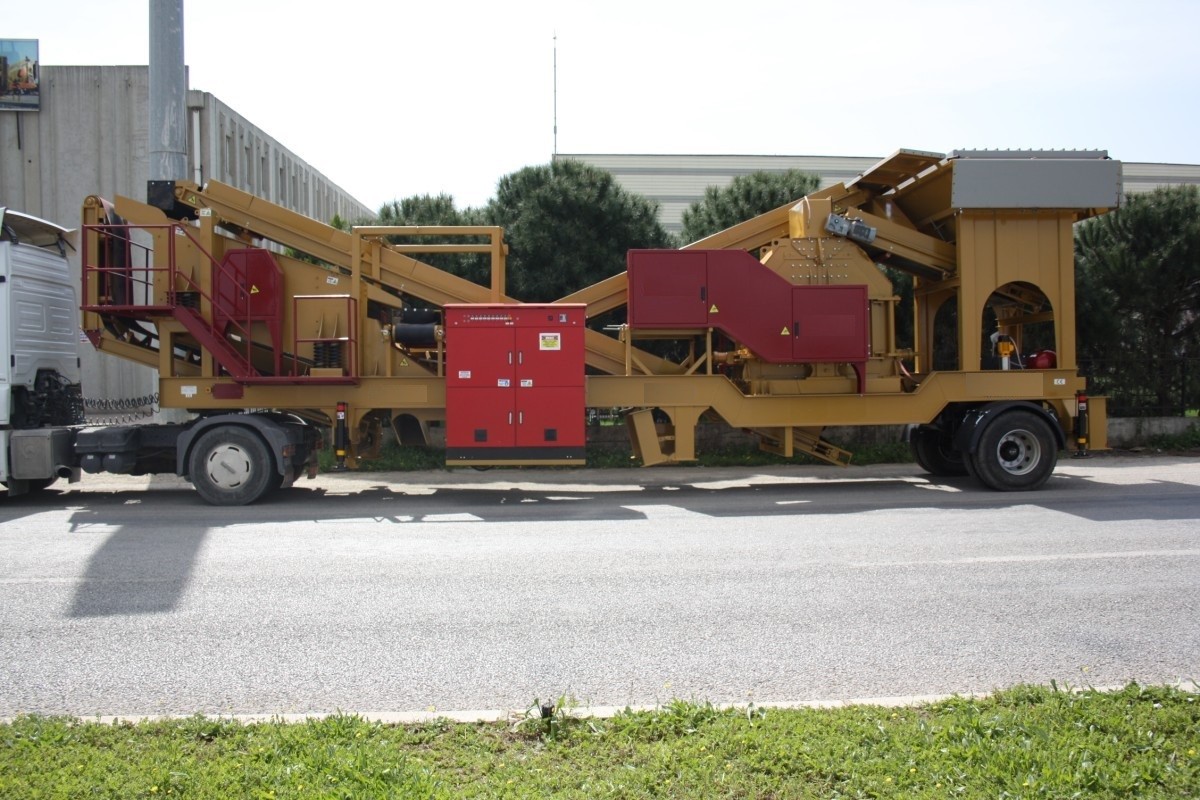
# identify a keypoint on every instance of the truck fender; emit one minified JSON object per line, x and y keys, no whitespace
{"x":276,"y":434}
{"x":975,"y":419}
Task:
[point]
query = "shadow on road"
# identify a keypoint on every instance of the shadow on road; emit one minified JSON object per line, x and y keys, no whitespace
{"x":144,"y":565}
{"x":138,"y":571}
{"x":532,"y":501}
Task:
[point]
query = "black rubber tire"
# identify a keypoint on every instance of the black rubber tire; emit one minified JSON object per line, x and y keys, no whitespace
{"x":1017,"y":452}
{"x":231,"y":466}
{"x":934,"y":452}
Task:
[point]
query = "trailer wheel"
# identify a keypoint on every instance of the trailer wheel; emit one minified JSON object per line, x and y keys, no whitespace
{"x":935,"y":453}
{"x":1017,"y":452}
{"x":230,"y":466}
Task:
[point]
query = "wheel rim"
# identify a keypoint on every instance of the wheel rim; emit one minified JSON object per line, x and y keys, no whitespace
{"x":1018,"y":452}
{"x":228,"y":466}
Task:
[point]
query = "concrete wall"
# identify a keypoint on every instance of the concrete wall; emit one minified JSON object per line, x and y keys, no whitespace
{"x":91,"y":137}
{"x":1134,"y":431}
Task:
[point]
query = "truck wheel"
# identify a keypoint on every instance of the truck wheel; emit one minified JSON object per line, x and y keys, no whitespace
{"x":230,"y":466}
{"x":934,"y":452}
{"x":1017,"y":452}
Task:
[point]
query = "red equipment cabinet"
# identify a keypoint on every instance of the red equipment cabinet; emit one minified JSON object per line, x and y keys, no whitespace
{"x":515,"y":384}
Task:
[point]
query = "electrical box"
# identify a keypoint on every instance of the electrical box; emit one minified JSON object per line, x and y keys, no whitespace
{"x":515,"y":384}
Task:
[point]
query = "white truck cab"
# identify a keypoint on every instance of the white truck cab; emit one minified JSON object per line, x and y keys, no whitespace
{"x":39,"y":358}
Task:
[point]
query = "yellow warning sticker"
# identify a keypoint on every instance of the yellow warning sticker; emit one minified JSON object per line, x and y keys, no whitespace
{"x":784,"y":332}
{"x":253,"y":289}
{"x":714,"y":309}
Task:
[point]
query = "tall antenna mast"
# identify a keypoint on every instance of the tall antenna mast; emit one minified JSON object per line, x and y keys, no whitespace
{"x":556,"y":94}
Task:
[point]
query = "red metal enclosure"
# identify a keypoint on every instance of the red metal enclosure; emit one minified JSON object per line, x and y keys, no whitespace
{"x":830,"y":323}
{"x":729,"y":290}
{"x":515,"y":383}
{"x":247,"y":289}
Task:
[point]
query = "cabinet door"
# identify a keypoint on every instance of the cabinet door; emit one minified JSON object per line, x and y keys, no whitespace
{"x":667,"y":289}
{"x":478,"y":418}
{"x":480,"y":357}
{"x":830,"y":323}
{"x":549,"y":357}
{"x":550,"y":417}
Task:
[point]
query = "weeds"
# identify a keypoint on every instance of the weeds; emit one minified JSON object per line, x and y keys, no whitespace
{"x":1024,"y":742}
{"x":1187,"y":440}
{"x":550,"y":720}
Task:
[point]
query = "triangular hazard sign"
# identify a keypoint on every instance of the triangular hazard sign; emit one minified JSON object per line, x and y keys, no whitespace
{"x":714,"y":309}
{"x":253,"y":289}
{"x":784,"y":332}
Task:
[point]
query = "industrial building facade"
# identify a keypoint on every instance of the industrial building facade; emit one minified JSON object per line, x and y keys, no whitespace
{"x":677,"y":181}
{"x":91,"y":136}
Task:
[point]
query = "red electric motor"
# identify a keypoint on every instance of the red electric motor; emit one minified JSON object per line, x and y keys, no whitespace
{"x":1042,"y":359}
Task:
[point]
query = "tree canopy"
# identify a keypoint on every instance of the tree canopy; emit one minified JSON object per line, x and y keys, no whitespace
{"x":439,"y":210}
{"x":745,"y":198}
{"x":1138,"y":297}
{"x":569,"y":225}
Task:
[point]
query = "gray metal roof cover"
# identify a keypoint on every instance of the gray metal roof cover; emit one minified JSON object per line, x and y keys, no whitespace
{"x":897,"y":168}
{"x":29,"y":229}
{"x":1028,"y":154}
{"x":1014,"y":179}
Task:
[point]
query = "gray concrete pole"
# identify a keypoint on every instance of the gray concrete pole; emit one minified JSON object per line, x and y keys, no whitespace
{"x":168,"y":92}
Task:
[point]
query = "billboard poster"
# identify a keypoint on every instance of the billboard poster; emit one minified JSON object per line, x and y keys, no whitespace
{"x":19,"y":75}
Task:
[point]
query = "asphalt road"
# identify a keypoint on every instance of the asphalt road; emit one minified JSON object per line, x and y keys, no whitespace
{"x":458,"y":591}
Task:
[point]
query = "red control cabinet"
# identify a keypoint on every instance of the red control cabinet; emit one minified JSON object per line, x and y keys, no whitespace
{"x":514,"y":384}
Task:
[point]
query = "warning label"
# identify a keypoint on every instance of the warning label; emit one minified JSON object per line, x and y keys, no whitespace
{"x":550,"y":341}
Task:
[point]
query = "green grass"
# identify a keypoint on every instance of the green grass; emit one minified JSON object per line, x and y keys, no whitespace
{"x":1026,"y":742}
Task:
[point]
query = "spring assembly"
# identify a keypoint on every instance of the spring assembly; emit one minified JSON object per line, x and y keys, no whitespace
{"x":327,"y":355}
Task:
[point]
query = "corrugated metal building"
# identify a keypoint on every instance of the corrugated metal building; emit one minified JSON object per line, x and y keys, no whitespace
{"x":677,"y":181}
{"x":91,"y":137}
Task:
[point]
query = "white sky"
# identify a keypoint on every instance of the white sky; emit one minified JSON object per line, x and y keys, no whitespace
{"x":395,"y":98}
